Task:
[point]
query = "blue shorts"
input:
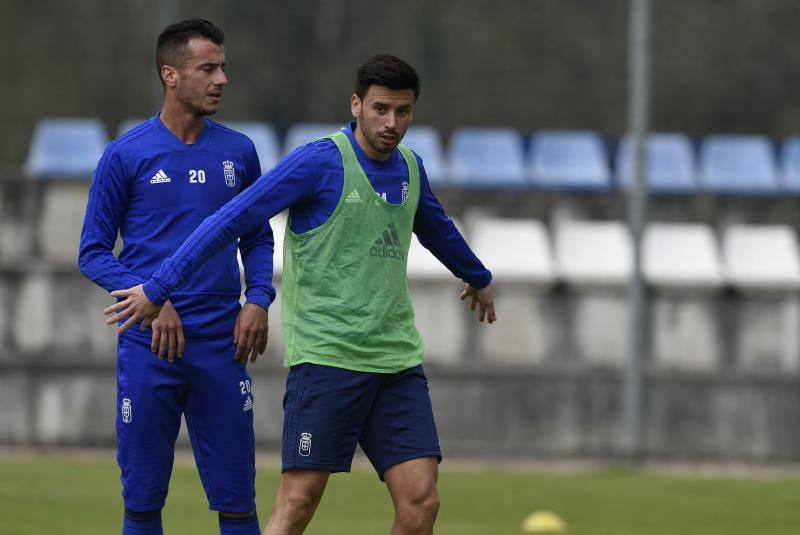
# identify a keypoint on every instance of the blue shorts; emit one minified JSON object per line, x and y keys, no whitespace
{"x":328,"y":410}
{"x":213,"y":391}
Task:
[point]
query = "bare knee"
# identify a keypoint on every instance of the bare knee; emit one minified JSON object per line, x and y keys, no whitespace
{"x":417,"y":510}
{"x":299,"y":503}
{"x":298,"y":497}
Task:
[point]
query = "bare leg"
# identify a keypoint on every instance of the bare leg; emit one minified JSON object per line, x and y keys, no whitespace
{"x":412,"y":485}
{"x":298,"y":496}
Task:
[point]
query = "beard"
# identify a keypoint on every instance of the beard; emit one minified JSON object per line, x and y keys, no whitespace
{"x":376,"y":143}
{"x":198,"y":106}
{"x":199,"y":111}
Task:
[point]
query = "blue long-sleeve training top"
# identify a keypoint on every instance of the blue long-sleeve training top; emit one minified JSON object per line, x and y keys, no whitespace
{"x":309,"y":182}
{"x":154,"y":190}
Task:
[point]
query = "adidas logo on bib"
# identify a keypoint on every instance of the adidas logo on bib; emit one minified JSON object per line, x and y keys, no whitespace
{"x":354,"y":197}
{"x":388,"y":245}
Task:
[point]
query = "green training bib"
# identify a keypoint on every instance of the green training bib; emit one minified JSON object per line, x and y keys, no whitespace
{"x":345,"y":299}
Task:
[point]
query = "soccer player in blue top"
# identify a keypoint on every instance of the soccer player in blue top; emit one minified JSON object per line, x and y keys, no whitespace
{"x":355,"y":377}
{"x":154,"y":185}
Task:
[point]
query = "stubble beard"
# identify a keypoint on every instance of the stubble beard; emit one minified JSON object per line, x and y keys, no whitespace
{"x":375,"y":142}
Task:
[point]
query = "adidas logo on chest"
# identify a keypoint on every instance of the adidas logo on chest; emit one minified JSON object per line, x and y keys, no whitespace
{"x":160,"y":178}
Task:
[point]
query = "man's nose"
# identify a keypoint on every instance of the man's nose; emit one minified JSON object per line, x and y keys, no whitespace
{"x":221,"y":79}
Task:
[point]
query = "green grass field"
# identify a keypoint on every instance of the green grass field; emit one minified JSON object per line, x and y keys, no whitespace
{"x":68,"y":495}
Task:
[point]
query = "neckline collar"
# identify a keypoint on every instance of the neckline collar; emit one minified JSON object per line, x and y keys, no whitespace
{"x":165,"y":132}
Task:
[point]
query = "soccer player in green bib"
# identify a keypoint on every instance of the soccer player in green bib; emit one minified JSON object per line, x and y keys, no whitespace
{"x":354,"y":353}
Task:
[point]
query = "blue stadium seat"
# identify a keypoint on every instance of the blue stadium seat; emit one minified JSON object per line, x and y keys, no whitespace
{"x":66,"y":148}
{"x":738,"y":164}
{"x":264,"y":138}
{"x":425,"y":141}
{"x":670,"y":163}
{"x":487,"y":157}
{"x":301,"y":133}
{"x":569,"y":160}
{"x":790,"y":164}
{"x":127,"y":125}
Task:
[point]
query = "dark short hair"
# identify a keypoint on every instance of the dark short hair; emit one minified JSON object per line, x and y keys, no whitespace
{"x":171,"y":44}
{"x":388,"y":71}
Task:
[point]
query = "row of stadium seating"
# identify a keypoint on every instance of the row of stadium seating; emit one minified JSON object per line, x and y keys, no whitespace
{"x":761,"y":258}
{"x":497,"y":157}
{"x":527,"y":250}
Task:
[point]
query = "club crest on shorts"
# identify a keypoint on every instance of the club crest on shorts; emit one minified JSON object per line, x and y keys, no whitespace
{"x":127,"y":413}
{"x":305,"y":444}
{"x":230,"y":174}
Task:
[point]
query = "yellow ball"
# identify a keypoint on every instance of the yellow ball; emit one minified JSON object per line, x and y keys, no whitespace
{"x":543,"y":522}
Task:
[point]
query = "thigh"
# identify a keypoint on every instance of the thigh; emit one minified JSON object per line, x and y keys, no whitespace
{"x":149,"y":406}
{"x":219,"y":418}
{"x":401,"y":425}
{"x":325,"y":409}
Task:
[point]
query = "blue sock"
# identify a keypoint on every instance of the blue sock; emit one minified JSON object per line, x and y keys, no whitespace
{"x":147,"y":523}
{"x":239,"y":526}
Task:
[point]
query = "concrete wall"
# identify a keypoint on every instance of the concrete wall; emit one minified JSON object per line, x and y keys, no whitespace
{"x":481,"y":410}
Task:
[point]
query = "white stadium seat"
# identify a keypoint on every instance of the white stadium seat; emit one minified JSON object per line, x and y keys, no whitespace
{"x":681,"y":255}
{"x":681,"y":262}
{"x":761,"y":257}
{"x":518,"y":249}
{"x":593,"y":252}
{"x":761,"y":262}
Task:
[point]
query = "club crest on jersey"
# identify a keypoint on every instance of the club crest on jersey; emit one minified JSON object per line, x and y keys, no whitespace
{"x":127,"y":413}
{"x":230,"y":174}
{"x":305,"y":444}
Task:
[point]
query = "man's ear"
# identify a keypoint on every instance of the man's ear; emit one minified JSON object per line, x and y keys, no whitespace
{"x":169,"y":75}
{"x":355,"y":105}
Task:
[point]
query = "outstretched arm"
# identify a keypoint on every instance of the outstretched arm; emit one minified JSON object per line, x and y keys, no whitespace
{"x":292,"y":180}
{"x":438,"y":234}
